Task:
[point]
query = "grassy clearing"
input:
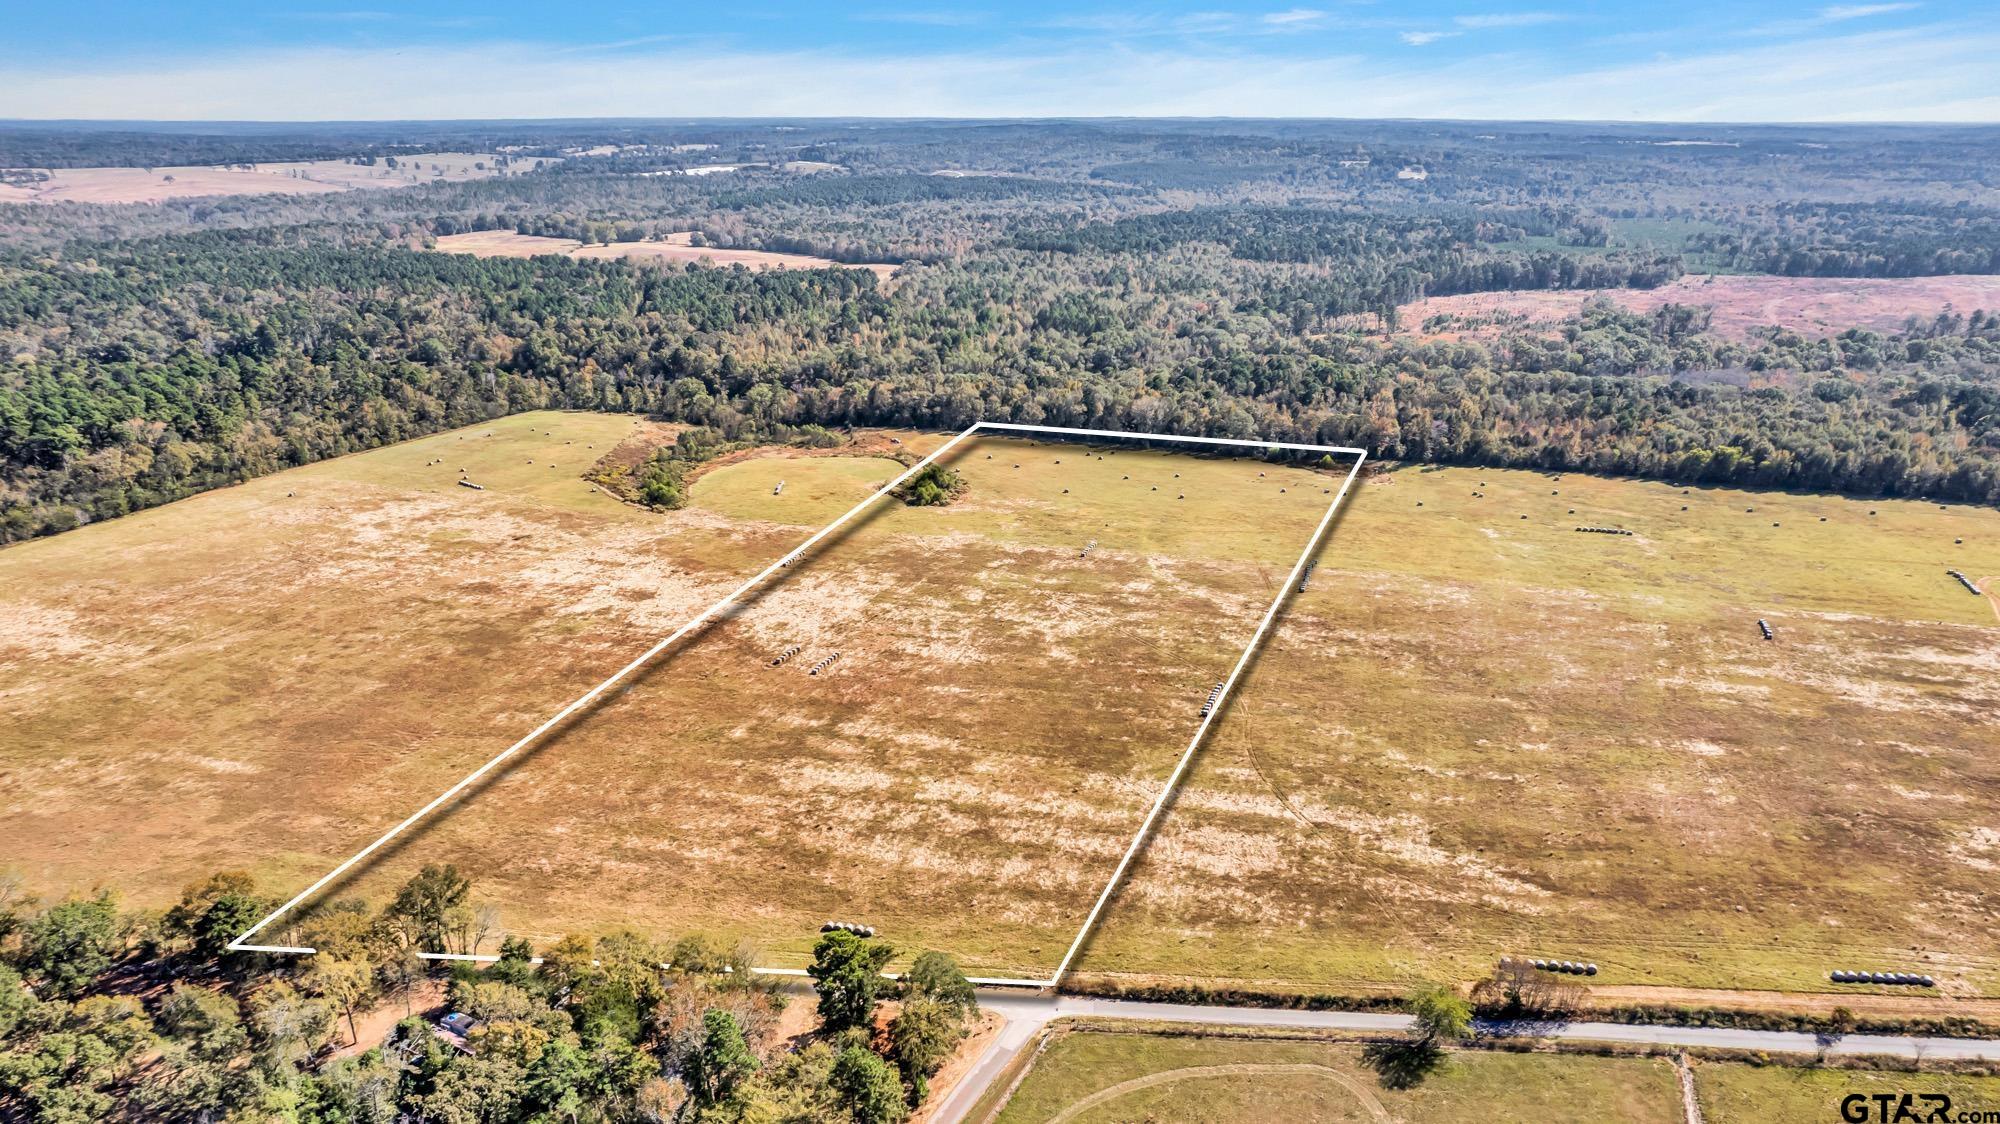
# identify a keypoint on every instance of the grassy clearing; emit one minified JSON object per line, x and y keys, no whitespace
{"x":1480,"y":734}
{"x":967,"y":771}
{"x":268,"y":676}
{"x":1328,"y":1082}
{"x":1741,"y":1094}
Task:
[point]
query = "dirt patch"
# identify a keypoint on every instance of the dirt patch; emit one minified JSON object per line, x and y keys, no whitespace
{"x":1811,"y":306}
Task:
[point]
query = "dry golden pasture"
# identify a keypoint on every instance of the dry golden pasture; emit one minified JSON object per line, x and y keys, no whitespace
{"x":674,"y":248}
{"x":268,"y":676}
{"x":1480,"y":734}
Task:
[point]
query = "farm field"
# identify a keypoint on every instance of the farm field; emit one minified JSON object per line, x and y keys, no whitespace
{"x":1483,"y":733}
{"x":1811,"y":306}
{"x":1000,"y":716}
{"x":1095,"y":1077}
{"x":675,"y":248}
{"x":310,"y":177}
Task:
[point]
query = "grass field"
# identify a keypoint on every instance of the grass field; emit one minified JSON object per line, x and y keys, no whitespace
{"x":266,"y":679}
{"x":1476,"y":734}
{"x":674,"y":248}
{"x":1745,"y":1094}
{"x":1482,"y":733}
{"x":1101,"y":1078}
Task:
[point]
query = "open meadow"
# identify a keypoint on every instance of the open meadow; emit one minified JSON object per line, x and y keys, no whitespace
{"x":1102,"y":1077}
{"x":1002,"y":711}
{"x":1478,"y":732}
{"x":676,"y":247}
{"x":1482,"y":733}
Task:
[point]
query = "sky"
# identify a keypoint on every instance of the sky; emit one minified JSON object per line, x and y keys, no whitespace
{"x":1892,"y":60}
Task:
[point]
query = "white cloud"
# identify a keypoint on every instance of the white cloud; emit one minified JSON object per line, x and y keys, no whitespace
{"x":1840,"y":13}
{"x":1296,"y":17}
{"x":1933,"y":74}
{"x":1425,"y":38}
{"x":1507,"y":19}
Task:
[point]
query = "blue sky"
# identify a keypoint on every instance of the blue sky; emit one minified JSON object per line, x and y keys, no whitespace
{"x":1894,"y":60}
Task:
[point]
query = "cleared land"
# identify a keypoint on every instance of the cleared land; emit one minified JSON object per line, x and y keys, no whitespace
{"x":1811,"y":306}
{"x":1001,"y":713}
{"x":675,"y":247}
{"x":1742,"y":1094}
{"x":1474,"y":735}
{"x":314,"y":177}
{"x":1098,"y":1078}
{"x":1481,"y":734}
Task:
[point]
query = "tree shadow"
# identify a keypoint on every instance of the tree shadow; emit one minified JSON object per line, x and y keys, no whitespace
{"x":1403,"y":1063}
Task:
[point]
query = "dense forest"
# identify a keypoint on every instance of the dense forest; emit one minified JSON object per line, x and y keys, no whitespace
{"x":1234,"y":280}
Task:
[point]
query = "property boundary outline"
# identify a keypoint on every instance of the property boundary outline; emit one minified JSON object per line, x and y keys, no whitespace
{"x":1139,"y":838}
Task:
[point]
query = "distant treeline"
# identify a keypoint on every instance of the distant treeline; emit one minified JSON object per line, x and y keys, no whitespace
{"x":165,"y":367}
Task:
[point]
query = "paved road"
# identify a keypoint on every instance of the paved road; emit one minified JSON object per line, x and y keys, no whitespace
{"x":1027,"y":1014}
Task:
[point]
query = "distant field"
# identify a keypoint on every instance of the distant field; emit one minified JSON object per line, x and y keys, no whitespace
{"x":1102,"y":1078}
{"x":676,"y":247}
{"x":153,"y":185}
{"x":1811,"y":306}
{"x":1482,"y":733}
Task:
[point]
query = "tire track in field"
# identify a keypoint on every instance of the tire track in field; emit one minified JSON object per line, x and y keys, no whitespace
{"x":1362,"y":1095}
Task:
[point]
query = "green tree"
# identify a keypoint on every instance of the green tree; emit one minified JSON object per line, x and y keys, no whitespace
{"x":210,"y":914}
{"x":346,"y":983}
{"x":426,"y":906}
{"x":1442,"y":1015}
{"x":935,"y":975}
{"x":923,"y":1034}
{"x":71,"y":943}
{"x":723,"y":1062}
{"x":847,"y":974}
{"x":867,"y":1087}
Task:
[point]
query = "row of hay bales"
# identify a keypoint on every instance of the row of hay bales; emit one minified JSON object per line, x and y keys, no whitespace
{"x":1902,"y":979}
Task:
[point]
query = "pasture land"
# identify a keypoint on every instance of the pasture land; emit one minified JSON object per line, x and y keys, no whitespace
{"x":1482,"y":733}
{"x":1811,"y":306}
{"x":674,"y":247}
{"x":1099,"y":1077}
{"x":304,"y":177}
{"x":1746,"y":1094}
{"x":268,"y":676}
{"x":1474,"y":734}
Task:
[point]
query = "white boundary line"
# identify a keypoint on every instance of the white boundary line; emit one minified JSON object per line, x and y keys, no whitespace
{"x":241,"y":943}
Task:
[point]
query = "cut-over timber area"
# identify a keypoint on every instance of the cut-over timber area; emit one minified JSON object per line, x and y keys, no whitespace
{"x":1740,"y":305}
{"x":1472,"y":735}
{"x":1481,"y":733}
{"x":1001,"y":714}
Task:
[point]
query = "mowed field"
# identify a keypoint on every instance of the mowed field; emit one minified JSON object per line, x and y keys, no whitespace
{"x":1096,"y":1077}
{"x":1482,"y":733}
{"x":267,"y":677}
{"x":1811,"y":306}
{"x":306,"y":177}
{"x":1475,"y":734}
{"x":675,"y":248}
